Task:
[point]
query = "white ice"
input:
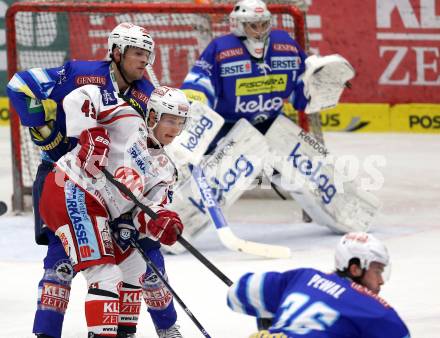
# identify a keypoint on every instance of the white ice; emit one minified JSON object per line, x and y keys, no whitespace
{"x":409,"y":224}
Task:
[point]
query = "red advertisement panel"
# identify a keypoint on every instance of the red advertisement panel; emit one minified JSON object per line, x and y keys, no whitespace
{"x":394,"y":45}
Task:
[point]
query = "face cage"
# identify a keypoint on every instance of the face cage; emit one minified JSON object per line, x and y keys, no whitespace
{"x":264,"y":34}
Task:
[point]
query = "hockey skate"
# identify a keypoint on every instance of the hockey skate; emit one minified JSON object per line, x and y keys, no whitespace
{"x":172,"y":332}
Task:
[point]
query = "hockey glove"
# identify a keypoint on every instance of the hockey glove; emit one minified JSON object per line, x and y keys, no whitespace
{"x":124,"y":230}
{"x":166,"y":227}
{"x":94,"y":150}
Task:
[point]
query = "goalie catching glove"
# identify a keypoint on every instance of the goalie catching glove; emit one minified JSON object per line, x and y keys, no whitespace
{"x":165,"y":228}
{"x":93,"y":155}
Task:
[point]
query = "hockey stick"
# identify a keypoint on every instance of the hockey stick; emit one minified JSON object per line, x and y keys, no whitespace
{"x":153,"y":267}
{"x":196,"y":253}
{"x":227,"y":237}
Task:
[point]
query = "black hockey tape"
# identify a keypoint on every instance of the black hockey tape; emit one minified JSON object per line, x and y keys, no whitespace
{"x":3,"y":208}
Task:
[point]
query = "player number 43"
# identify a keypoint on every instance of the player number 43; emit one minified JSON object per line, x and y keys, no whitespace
{"x":88,"y":109}
{"x":300,"y":317}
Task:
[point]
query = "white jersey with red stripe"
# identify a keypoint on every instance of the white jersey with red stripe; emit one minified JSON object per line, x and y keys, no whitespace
{"x":147,"y":171}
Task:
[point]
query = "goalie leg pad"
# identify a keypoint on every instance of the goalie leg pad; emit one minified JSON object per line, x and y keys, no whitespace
{"x":311,"y":180}
{"x":230,"y":170}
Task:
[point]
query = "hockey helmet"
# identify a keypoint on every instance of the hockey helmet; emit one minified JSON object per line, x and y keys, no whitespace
{"x":248,"y":12}
{"x":129,"y":35}
{"x":363,"y":246}
{"x":167,"y":100}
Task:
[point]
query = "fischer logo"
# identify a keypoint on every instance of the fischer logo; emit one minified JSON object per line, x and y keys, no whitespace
{"x":253,"y":106}
{"x":196,"y":133}
{"x":307,"y":168}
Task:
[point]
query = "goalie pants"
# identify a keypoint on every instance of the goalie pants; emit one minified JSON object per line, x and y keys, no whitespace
{"x":54,"y":287}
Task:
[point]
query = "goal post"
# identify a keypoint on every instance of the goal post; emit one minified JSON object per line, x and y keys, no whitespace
{"x":47,"y":34}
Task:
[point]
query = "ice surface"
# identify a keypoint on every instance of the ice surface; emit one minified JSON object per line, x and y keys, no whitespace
{"x":409,"y":224}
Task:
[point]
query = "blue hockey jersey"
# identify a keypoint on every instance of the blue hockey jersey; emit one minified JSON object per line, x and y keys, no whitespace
{"x":309,"y":303}
{"x":234,"y":84}
{"x":37,"y":93}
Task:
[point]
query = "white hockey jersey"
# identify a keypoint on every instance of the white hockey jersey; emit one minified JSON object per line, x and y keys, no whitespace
{"x":146,"y":171}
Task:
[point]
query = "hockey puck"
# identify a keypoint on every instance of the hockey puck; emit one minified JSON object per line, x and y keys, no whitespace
{"x":3,"y":208}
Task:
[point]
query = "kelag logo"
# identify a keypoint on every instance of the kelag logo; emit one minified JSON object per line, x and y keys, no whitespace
{"x":424,"y":121}
{"x":196,"y":133}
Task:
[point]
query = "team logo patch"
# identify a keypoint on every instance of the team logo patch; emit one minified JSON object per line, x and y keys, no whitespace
{"x":261,"y":84}
{"x":125,"y":234}
{"x":64,"y":270}
{"x":285,"y":62}
{"x":108,"y":98}
{"x":235,"y":68}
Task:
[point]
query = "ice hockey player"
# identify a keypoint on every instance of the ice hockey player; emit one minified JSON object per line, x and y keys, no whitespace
{"x":113,"y":135}
{"x":32,"y":93}
{"x":250,"y":72}
{"x":309,"y":303}
{"x":248,"y":75}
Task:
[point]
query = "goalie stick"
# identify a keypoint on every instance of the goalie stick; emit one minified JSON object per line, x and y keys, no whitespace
{"x":227,"y":237}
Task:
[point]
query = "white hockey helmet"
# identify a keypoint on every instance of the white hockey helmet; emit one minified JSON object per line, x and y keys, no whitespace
{"x":128,"y":35}
{"x":363,"y":246}
{"x":167,"y":100}
{"x":250,"y":11}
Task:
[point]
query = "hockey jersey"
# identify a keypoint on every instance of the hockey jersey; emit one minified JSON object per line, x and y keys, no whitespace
{"x":309,"y":303}
{"x":236,"y":85}
{"x":145,"y":170}
{"x":37,"y":93}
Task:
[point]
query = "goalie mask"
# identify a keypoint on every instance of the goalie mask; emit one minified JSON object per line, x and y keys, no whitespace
{"x":363,"y":246}
{"x":250,"y":19}
{"x":166,"y":100}
{"x":128,"y":35}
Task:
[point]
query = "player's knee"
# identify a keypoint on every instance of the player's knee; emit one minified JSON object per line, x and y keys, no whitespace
{"x":106,"y":277}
